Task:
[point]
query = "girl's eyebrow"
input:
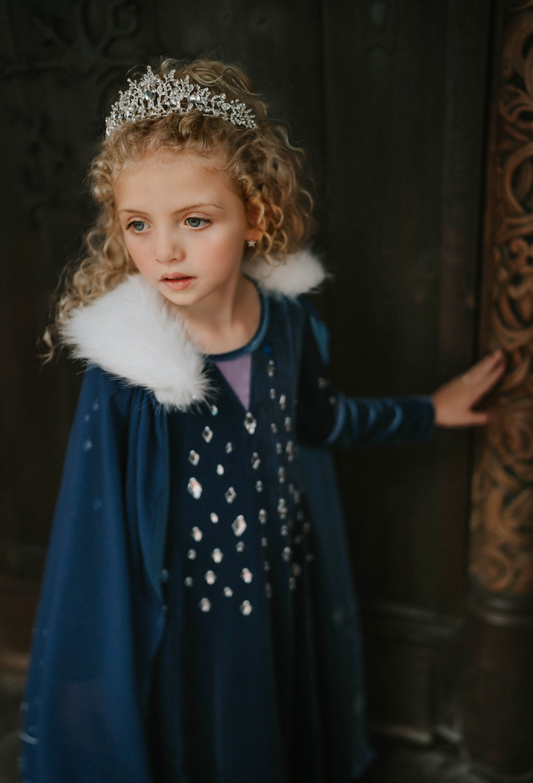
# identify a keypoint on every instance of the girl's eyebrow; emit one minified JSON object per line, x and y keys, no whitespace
{"x":176,"y":211}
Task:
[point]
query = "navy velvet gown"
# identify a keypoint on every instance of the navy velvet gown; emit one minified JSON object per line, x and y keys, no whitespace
{"x":242,"y":585}
{"x":197,"y":622}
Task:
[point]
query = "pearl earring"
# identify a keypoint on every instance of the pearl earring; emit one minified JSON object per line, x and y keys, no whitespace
{"x":251,"y":242}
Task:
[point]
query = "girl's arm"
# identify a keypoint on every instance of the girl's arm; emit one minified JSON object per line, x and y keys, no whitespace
{"x":326,"y":416}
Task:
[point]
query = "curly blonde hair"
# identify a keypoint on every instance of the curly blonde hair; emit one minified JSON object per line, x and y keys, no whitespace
{"x":263,"y":166}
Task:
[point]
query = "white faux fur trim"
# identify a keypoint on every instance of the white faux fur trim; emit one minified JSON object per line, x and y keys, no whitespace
{"x":300,"y":274}
{"x":132,"y":333}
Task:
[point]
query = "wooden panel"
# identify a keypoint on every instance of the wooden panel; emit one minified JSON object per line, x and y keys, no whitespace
{"x":413,"y":661}
{"x":406,"y":86}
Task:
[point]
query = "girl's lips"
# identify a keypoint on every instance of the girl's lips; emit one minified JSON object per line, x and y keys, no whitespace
{"x":178,"y":283}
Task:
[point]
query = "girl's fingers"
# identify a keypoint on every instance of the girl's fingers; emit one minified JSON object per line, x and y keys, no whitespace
{"x":484,"y":375}
{"x":478,"y":418}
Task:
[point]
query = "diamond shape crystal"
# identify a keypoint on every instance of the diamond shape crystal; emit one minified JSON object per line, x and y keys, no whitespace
{"x":239,"y":525}
{"x":250,"y":423}
{"x":230,"y":495}
{"x":195,"y":488}
{"x":207,"y":434}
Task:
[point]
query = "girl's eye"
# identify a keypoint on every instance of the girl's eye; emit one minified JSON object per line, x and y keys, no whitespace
{"x":196,"y":222}
{"x":137,"y":225}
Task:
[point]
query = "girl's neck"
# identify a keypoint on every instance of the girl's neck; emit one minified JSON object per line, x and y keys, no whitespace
{"x":225,"y":321}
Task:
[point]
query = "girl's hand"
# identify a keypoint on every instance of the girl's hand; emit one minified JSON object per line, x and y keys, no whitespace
{"x":454,"y":400}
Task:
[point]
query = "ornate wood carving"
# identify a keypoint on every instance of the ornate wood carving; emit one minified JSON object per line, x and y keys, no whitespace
{"x":502,"y":518}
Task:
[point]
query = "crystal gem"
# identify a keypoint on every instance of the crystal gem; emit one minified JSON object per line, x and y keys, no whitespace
{"x":239,"y":525}
{"x":246,"y":575}
{"x":298,"y":539}
{"x":286,"y":554}
{"x":195,"y":488}
{"x":291,"y":488}
{"x":289,"y":448}
{"x":259,"y":486}
{"x":189,"y":581}
{"x":272,"y":394}
{"x":306,"y":527}
{"x":264,"y":542}
{"x":246,"y":607}
{"x":163,"y":576}
{"x":205,"y":604}
{"x":255,"y":461}
{"x":274,"y":428}
{"x":284,"y":530}
{"x":266,"y":565}
{"x":283,"y":402}
{"x":250,"y":423}
{"x":229,"y":447}
{"x":228,"y":592}
{"x":214,"y":410}
{"x":271,"y":368}
{"x":217,"y":555}
{"x":332,"y":400}
{"x":210,"y":577}
{"x":240,"y":546}
{"x":268,"y":590}
{"x":296,"y":569}
{"x":281,"y":475}
{"x":191,"y":554}
{"x":309,"y":557}
{"x":296,"y":497}
{"x":292,"y":583}
{"x":323,"y":383}
{"x":279,"y":448}
{"x":288,"y":423}
{"x":194,"y":458}
{"x":282,"y":508}
{"x":263,"y":516}
{"x":220,"y":470}
{"x":230,"y":495}
{"x":207,"y":434}
{"x":300,"y":516}
{"x":197,"y":534}
{"x":214,"y":518}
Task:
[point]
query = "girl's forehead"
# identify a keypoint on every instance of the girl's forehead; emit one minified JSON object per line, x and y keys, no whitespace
{"x":176,"y":173}
{"x":167,"y":160}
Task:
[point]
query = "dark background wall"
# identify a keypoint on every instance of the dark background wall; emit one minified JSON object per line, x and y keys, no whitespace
{"x":388,"y":97}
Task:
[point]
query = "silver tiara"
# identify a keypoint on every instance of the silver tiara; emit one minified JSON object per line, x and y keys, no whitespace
{"x":156,"y":96}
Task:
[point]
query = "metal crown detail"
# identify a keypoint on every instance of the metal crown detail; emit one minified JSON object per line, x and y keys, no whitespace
{"x":156,"y":96}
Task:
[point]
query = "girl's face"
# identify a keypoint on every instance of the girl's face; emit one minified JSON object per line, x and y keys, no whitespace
{"x":184,"y":227}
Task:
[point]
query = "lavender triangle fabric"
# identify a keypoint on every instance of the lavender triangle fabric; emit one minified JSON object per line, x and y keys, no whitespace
{"x":238,"y":373}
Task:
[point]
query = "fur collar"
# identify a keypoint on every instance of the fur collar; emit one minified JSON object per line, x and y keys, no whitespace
{"x":132,"y":333}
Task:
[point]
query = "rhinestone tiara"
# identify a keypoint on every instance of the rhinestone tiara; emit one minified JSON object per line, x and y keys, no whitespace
{"x":157,"y":96}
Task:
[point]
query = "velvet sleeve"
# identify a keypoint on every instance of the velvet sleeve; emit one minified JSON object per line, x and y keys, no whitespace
{"x":100,"y":613}
{"x":327,"y":417}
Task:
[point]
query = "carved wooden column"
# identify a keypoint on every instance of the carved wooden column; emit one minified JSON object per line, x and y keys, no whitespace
{"x":499,"y":686}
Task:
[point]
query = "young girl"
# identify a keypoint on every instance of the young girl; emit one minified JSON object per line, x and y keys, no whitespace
{"x":197,"y":622}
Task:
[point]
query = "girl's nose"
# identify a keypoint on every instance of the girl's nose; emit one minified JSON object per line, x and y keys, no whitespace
{"x":168,"y":249}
